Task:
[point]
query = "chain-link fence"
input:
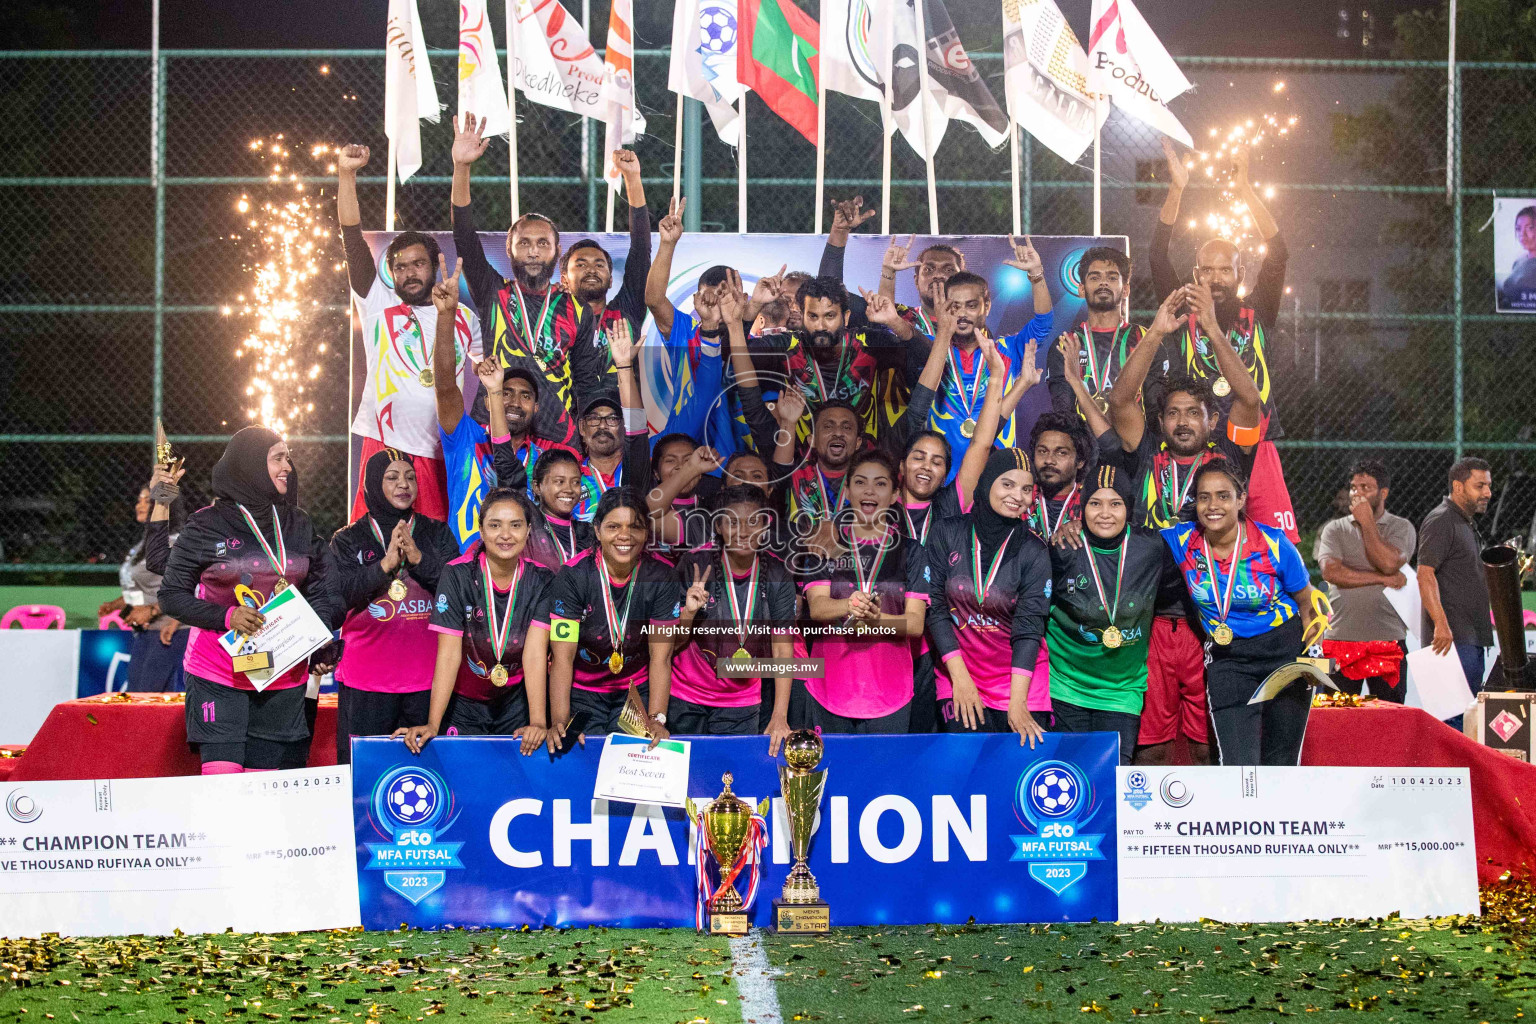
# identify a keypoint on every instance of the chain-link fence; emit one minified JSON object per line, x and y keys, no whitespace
{"x":121,"y":252}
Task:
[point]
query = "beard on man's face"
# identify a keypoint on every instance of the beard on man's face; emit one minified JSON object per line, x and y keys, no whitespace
{"x":414,"y":292}
{"x":532,"y":273}
{"x":823,"y":339}
{"x":1103,"y":300}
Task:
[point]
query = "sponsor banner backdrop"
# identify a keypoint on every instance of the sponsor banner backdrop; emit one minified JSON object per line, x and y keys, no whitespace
{"x":1514,"y":254}
{"x":913,"y":829}
{"x":665,"y":374}
{"x":260,"y":852}
{"x":1294,"y":844}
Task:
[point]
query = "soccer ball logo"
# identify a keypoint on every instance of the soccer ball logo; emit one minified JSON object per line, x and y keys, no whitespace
{"x":1054,"y":792}
{"x":717,"y":30}
{"x":413,"y":798}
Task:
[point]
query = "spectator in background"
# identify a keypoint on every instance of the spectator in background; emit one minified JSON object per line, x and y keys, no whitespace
{"x":1451,"y":582}
{"x":1361,"y":554}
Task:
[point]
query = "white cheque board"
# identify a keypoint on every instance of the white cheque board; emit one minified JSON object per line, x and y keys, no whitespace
{"x":1292,"y":844}
{"x":261,"y":851}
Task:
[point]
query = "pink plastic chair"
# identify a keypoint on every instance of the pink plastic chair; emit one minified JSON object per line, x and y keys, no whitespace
{"x":1530,"y":618}
{"x":34,"y":616}
{"x":113,"y":620}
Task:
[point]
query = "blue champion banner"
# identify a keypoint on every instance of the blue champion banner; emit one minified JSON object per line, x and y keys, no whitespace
{"x":912,"y":829}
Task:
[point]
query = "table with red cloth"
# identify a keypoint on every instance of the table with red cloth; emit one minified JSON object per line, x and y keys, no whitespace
{"x":1382,"y":735}
{"x":133,"y":736}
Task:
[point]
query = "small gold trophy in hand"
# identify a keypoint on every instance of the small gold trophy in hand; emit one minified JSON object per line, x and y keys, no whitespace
{"x":801,"y":910}
{"x":164,"y":457}
{"x":733,"y":835}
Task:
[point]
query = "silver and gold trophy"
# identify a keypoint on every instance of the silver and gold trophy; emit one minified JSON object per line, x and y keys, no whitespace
{"x":164,"y":456}
{"x":732,"y":834}
{"x":801,"y":910}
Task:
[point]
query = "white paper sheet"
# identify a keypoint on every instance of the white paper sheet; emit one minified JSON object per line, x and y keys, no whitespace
{"x":1439,"y":682}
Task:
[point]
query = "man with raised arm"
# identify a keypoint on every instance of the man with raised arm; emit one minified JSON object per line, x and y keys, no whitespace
{"x":398,"y":407}
{"x":562,"y":331}
{"x":1244,"y":320}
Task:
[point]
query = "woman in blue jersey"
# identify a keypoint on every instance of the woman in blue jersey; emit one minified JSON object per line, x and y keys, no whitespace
{"x":1259,"y":610}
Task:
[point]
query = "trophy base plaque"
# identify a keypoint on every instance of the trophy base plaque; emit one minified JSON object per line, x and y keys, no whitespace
{"x":801,"y":918}
{"x":729,"y":924}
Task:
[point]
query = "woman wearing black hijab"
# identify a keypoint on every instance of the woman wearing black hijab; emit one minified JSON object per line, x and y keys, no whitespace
{"x":230,"y":559}
{"x":1104,"y":594}
{"x":990,"y":584}
{"x":388,"y":564}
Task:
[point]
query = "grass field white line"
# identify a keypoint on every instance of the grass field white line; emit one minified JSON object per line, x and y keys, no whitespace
{"x":755,"y":980}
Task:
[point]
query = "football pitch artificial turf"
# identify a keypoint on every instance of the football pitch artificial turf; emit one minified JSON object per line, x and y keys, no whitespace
{"x":1464,"y":970}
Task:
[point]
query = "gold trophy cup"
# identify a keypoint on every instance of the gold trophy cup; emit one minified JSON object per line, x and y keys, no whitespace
{"x":164,"y":456}
{"x":801,"y":910}
{"x":726,"y":823}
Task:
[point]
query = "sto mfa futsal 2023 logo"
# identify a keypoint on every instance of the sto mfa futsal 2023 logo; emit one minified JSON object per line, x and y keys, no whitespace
{"x":413,"y":806}
{"x":1052,"y":800}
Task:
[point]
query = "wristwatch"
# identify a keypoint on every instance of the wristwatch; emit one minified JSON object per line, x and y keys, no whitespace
{"x":660,"y":717}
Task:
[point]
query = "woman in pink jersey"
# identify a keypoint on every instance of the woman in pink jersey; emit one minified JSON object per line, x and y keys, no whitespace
{"x":388,"y":562}
{"x":231,"y":558}
{"x":492,"y":635}
{"x":873,"y":580}
{"x":740,"y":604}
{"x":990,"y":581}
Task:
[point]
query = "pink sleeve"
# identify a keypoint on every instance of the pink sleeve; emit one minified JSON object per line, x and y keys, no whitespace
{"x":229,"y":613}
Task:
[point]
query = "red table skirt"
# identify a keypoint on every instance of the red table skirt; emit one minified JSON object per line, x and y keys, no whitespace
{"x":143,"y":736}
{"x":1391,"y":736}
{"x":133,"y":736}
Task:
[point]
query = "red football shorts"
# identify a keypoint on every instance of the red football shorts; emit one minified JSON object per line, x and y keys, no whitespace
{"x":431,"y":483}
{"x":1175,"y":685}
{"x":1268,"y":500}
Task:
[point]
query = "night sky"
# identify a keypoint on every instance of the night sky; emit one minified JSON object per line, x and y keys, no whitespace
{"x":1302,"y":28}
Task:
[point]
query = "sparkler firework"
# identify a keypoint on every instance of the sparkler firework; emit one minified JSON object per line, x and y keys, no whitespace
{"x":1232,"y":219}
{"x":285,"y":237}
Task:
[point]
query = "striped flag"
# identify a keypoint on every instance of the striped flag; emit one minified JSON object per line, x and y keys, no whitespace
{"x":480,"y":91}
{"x":624,"y":118}
{"x":777,"y":57}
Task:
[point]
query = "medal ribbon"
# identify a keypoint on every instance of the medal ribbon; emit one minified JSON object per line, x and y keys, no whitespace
{"x":425,"y":362}
{"x":984,"y":583}
{"x":1180,"y":494}
{"x":554,"y":535}
{"x":968,"y":407}
{"x":1098,"y":582}
{"x":739,"y":612}
{"x":616,"y":622}
{"x":821,"y":385}
{"x":912,"y":531}
{"x":821,"y":490}
{"x":923,"y":323}
{"x":533,"y":343}
{"x":499,"y":635}
{"x":1223,"y":604}
{"x":378,"y":534}
{"x":866,"y":581}
{"x":1045,"y":513}
{"x":279,"y":559}
{"x":1117,"y":338}
{"x":1239,"y":335}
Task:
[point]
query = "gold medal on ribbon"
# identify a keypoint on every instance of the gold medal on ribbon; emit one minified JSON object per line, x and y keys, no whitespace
{"x":500,"y":628}
{"x":1102,"y":402}
{"x":277,"y":556}
{"x":1113,"y":638}
{"x":968,"y":429}
{"x":617,"y":621}
{"x":616,"y":662}
{"x":1222,"y":634}
{"x":426,"y":377}
{"x":741,"y":611}
{"x":397,"y":589}
{"x":499,"y":675}
{"x":1221,"y":388}
{"x":742,"y":654}
{"x":280,"y":586}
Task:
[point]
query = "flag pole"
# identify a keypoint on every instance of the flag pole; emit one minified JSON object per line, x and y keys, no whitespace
{"x":677,"y":152}
{"x":886,"y":127}
{"x":821,"y":138}
{"x":1013,"y":162}
{"x":389,"y":186}
{"x":1098,"y":145}
{"x":609,"y":217}
{"x":741,"y":167}
{"x":512,"y":106}
{"x":922,"y":103}
{"x":1450,"y":110}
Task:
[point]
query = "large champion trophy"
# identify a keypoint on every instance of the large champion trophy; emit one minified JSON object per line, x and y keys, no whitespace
{"x":801,"y":910}
{"x":732,"y":834}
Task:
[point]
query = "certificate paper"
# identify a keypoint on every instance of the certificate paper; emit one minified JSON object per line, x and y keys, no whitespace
{"x":630,"y":771}
{"x":1291,"y":844}
{"x":292,"y":633}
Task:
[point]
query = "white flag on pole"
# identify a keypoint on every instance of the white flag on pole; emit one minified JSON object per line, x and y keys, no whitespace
{"x":409,"y":92}
{"x":1046,"y":78}
{"x":955,"y":89}
{"x":704,"y":61}
{"x":898,"y":57}
{"x":1127,"y":63}
{"x":480,"y":91}
{"x":849,"y":58}
{"x":624,"y":118}
{"x":572,"y":82}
